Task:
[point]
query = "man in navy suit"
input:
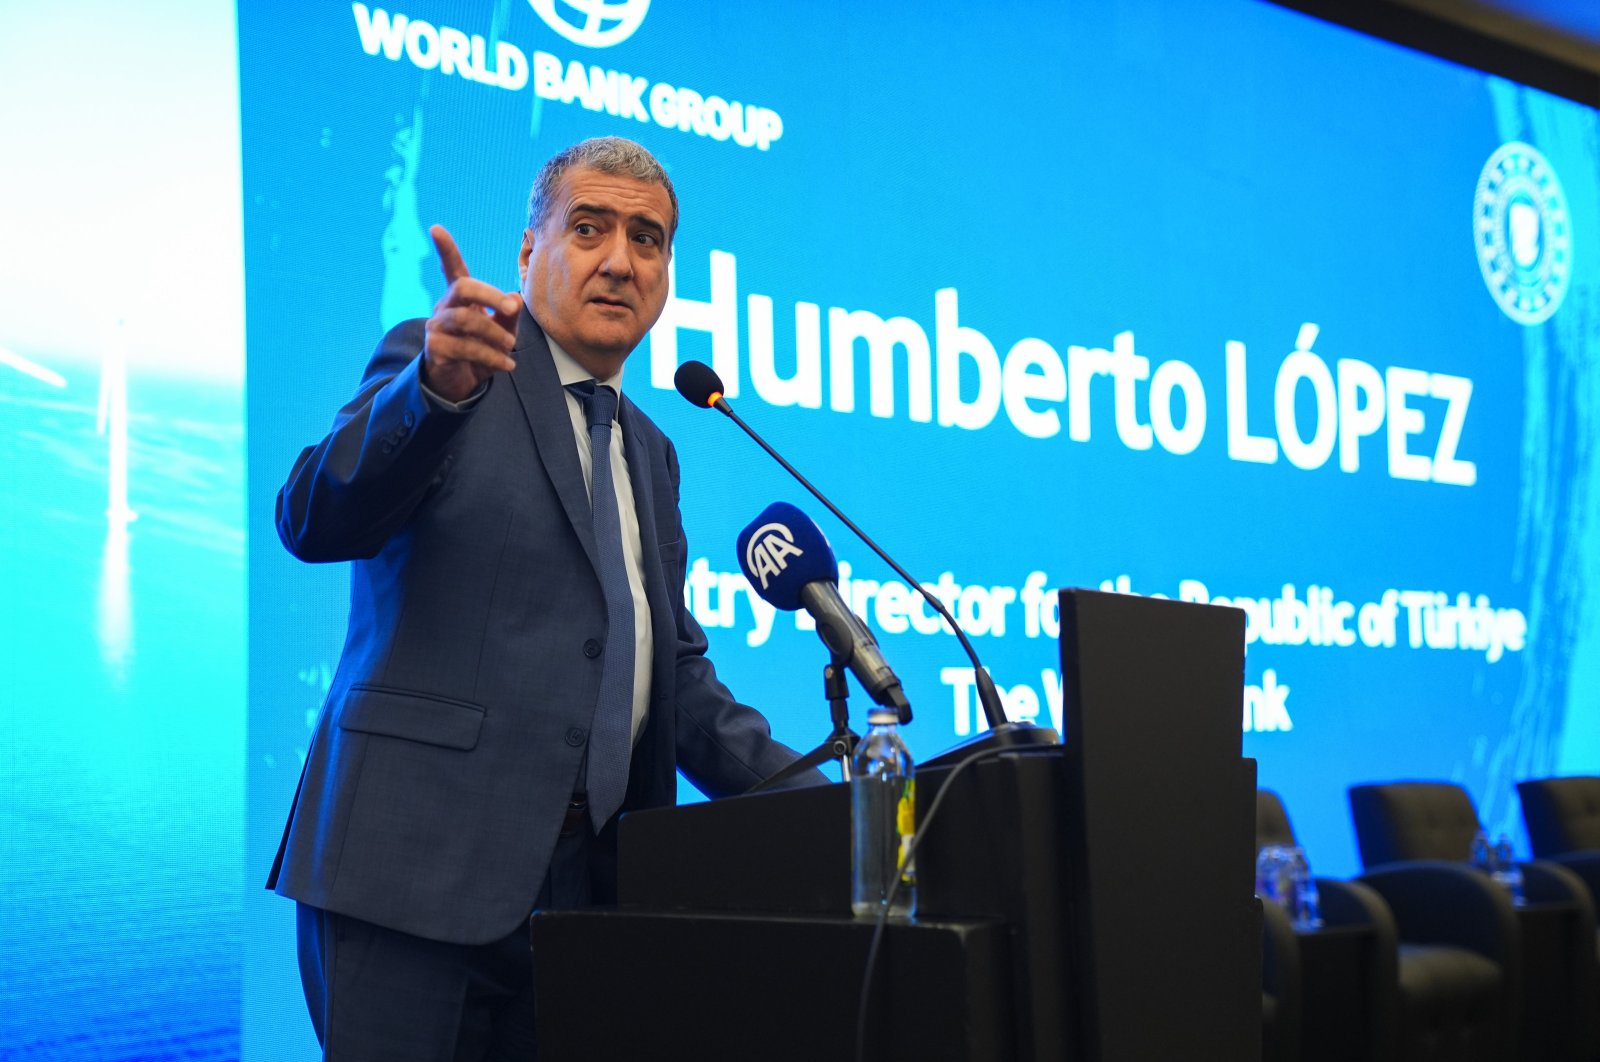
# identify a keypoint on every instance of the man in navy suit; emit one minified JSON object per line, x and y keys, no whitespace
{"x":447,"y":789}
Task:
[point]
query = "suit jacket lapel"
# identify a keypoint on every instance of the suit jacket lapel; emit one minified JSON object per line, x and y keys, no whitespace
{"x":544,"y":406}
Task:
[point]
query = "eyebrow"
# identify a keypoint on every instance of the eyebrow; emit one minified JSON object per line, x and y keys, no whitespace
{"x":608,"y":212}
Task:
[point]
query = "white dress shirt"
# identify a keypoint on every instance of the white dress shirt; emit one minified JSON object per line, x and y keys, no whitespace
{"x":571,"y":372}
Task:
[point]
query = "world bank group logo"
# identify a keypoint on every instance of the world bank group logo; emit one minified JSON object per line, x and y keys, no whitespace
{"x":1523,"y":233}
{"x":592,"y":23}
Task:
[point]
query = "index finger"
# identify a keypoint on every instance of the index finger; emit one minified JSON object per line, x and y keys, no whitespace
{"x":455,"y":267}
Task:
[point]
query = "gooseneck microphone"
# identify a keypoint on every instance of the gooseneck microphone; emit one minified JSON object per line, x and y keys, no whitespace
{"x":790,"y":564}
{"x":700,"y":384}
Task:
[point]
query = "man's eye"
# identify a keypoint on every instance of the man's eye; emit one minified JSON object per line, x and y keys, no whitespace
{"x":584,"y":228}
{"x":646,"y":238}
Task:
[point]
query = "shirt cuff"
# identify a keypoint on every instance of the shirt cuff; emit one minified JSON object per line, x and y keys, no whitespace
{"x":454,"y":407}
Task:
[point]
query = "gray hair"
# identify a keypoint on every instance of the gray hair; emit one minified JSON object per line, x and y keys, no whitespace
{"x":608,"y":154}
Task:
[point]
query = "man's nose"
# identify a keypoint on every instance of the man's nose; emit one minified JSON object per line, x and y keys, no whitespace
{"x":617,"y":259}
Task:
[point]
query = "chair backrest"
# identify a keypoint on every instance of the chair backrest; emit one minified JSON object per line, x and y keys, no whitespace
{"x":1563,"y":814}
{"x":1272,"y":821}
{"x":1400,"y":821}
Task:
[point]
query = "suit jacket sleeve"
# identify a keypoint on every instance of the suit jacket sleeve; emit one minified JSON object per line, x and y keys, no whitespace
{"x":723,"y":747}
{"x":347,"y":494}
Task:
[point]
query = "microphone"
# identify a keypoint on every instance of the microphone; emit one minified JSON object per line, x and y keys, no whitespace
{"x":700,"y":384}
{"x":790,"y":564}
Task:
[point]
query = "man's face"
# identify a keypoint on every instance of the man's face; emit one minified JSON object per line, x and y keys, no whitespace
{"x":594,"y":275}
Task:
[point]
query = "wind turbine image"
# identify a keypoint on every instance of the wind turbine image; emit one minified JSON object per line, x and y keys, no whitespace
{"x":12,"y":360}
{"x":111,"y":421}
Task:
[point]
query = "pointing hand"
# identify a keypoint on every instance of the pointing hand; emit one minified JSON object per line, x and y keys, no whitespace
{"x":472,"y":331}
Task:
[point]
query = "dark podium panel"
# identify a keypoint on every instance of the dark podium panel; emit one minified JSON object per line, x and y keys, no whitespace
{"x":1166,"y":934}
{"x":1092,"y":900}
{"x":760,"y":987}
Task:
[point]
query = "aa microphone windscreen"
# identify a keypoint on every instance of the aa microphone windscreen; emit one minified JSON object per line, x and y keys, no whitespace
{"x":781,"y":551}
{"x":698,"y":382}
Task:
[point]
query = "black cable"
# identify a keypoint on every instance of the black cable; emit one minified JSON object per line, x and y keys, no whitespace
{"x":882,"y":919}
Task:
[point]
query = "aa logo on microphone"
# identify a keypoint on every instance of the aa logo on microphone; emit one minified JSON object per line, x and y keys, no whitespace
{"x":767,"y":553}
{"x":1523,"y":233}
{"x":599,"y":23}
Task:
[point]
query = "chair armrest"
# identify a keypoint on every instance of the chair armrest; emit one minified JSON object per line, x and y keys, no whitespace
{"x":1280,"y":976}
{"x":1436,"y":902}
{"x":1545,"y":880}
{"x":1280,"y":952}
{"x":1586,"y":865}
{"x":1350,"y":903}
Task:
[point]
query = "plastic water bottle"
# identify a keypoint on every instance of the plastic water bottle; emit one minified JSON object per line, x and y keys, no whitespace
{"x":1482,"y":854}
{"x":883,"y":795}
{"x":1506,"y":870}
{"x":1270,"y":866}
{"x":1306,"y":906}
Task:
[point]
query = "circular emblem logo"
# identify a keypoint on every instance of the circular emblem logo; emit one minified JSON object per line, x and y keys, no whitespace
{"x":1523,"y":234}
{"x":592,"y":23}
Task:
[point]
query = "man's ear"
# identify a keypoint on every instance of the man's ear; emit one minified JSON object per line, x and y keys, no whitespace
{"x":524,"y":255}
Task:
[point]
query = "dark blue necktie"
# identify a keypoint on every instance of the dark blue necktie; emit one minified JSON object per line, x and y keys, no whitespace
{"x":611,"y":733}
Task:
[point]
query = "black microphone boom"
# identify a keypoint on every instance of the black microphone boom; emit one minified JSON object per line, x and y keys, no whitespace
{"x":700,"y":384}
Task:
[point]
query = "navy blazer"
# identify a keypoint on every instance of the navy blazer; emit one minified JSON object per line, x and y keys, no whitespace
{"x":441,"y":765}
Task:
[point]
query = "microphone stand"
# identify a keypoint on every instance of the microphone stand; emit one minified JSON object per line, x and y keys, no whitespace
{"x":839,"y":745}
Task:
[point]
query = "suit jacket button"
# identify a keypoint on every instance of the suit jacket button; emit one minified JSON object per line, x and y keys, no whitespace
{"x":575,"y":736}
{"x":591,"y":648}
{"x":409,"y":419}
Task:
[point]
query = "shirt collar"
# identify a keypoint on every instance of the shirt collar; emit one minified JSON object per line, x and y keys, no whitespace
{"x":570,"y":372}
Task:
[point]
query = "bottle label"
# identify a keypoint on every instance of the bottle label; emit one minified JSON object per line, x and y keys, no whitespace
{"x":906,"y":826}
